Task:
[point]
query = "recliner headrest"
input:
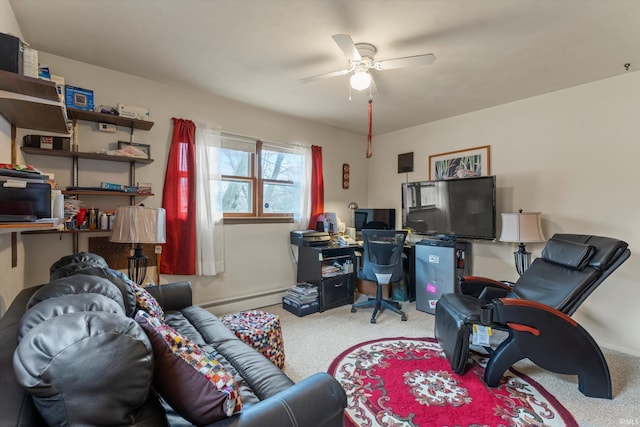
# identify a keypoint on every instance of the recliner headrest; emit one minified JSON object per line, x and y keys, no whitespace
{"x":568,"y":254}
{"x":608,"y":250}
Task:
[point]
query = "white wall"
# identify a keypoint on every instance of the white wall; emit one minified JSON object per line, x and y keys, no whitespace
{"x":572,"y":155}
{"x":258,"y":257}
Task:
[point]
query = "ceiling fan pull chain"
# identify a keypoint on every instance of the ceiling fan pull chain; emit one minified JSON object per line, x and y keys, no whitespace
{"x":370,"y":114}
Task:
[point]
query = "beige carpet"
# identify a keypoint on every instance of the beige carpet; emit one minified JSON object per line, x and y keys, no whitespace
{"x":313,"y":341}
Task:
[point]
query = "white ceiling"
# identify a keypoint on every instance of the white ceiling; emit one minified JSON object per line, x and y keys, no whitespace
{"x":489,"y":52}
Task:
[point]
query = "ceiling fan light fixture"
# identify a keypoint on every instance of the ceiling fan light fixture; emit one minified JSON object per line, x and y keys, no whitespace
{"x":360,"y":80}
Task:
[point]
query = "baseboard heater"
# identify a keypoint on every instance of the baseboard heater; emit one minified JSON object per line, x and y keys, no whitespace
{"x":243,"y":298}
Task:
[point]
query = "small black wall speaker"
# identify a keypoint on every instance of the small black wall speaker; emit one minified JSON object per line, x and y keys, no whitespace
{"x":405,"y":162}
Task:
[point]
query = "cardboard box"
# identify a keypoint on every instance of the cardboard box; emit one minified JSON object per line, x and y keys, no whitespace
{"x":369,"y":288}
{"x":11,"y":53}
{"x":59,"y":81}
{"x":47,"y":142}
{"x":30,"y":62}
{"x":133,"y":112}
{"x":78,"y":98}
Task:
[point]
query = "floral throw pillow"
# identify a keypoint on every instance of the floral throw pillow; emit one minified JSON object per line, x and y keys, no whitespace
{"x":145,"y":301}
{"x":195,"y":385}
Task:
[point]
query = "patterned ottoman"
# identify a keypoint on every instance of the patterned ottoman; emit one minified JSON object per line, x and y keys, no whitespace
{"x":261,"y":330}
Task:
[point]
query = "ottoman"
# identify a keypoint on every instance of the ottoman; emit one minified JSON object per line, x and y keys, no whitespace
{"x":261,"y":330}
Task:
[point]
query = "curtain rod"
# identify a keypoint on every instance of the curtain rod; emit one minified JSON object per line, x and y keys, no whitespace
{"x":231,"y":135}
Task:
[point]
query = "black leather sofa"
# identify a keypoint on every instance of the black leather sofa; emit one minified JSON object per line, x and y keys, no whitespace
{"x":109,"y":373}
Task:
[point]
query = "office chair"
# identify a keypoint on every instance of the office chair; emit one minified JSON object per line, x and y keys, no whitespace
{"x":535,"y":312}
{"x":383,"y":265}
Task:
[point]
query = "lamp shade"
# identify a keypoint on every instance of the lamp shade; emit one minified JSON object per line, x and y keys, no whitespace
{"x":521,"y":227}
{"x":139,"y":224}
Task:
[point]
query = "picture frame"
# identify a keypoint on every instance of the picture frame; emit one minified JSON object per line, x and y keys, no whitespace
{"x":465,"y":163}
{"x":146,"y":148}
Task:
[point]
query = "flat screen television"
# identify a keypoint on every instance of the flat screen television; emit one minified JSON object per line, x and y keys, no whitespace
{"x":452,"y":208}
{"x":374,"y":218}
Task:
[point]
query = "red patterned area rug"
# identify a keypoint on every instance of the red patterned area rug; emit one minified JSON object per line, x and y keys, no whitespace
{"x":408,"y":382}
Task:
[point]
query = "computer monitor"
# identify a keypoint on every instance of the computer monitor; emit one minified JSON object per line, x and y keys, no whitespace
{"x":375,"y":218}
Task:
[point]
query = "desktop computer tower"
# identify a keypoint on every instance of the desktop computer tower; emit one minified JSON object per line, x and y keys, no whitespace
{"x":438,"y":264}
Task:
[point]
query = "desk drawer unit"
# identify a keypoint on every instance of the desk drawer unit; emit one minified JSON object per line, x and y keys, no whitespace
{"x":336,"y":291}
{"x":332,"y":270}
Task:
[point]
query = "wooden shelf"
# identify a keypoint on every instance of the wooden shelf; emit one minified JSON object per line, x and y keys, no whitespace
{"x":12,"y":82}
{"x":93,"y":116}
{"x":10,"y":227}
{"x":97,"y":230}
{"x":102,"y":193}
{"x":31,"y":103}
{"x":83,"y":155}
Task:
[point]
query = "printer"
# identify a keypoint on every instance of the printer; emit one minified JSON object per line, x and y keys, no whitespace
{"x":309,"y":238}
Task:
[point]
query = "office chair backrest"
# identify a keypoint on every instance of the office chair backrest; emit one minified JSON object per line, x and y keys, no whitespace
{"x":382,"y":253}
{"x":570,"y":268}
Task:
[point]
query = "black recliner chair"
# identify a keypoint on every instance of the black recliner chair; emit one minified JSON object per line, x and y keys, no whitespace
{"x":383,"y":251}
{"x":535,"y":312}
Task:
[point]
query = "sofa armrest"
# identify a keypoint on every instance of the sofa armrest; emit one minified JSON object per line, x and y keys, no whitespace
{"x":172,"y":296}
{"x":318,"y":400}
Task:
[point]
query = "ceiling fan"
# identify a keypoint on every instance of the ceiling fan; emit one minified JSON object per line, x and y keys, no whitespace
{"x":361,"y":60}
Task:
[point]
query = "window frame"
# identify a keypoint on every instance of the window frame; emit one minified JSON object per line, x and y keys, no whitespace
{"x":256,"y":182}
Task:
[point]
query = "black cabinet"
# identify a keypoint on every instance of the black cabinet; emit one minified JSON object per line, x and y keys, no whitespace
{"x":330,"y":268}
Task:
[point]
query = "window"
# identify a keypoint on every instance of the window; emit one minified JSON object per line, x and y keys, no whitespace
{"x":259,"y":179}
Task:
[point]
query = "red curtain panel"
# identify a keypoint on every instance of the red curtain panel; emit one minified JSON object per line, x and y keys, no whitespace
{"x":317,"y":186}
{"x":179,"y":200}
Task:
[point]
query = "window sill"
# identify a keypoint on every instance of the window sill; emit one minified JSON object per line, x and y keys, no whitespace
{"x":260,"y":220}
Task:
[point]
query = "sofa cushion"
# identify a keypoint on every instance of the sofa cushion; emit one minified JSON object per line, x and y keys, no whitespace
{"x":194,"y":384}
{"x":60,"y":306}
{"x":69,"y":263}
{"x":135,"y":296}
{"x":86,"y":368}
{"x":79,"y":284}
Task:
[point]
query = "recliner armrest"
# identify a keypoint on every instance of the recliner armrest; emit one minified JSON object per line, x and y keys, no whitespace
{"x":475,"y":285}
{"x":172,"y":296}
{"x":490,"y":293}
{"x":318,"y":400}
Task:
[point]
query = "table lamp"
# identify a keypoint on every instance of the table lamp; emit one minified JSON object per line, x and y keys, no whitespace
{"x":137,"y":225}
{"x":521,"y":227}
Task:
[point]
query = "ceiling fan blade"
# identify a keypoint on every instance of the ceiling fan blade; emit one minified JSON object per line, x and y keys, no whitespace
{"x":375,"y":89}
{"x":348,"y":47}
{"x":407,"y":61}
{"x":325,"y":76}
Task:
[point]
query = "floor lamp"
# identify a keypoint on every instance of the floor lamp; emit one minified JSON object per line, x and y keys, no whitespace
{"x":522,"y":227}
{"x":138,"y":225}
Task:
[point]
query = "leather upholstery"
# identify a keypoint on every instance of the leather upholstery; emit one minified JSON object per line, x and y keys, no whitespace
{"x":535,"y":311}
{"x":67,"y":352}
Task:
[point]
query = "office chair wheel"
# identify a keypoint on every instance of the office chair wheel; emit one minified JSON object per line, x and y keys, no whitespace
{"x":373,"y":320}
{"x":353,"y":310}
{"x":404,"y":318}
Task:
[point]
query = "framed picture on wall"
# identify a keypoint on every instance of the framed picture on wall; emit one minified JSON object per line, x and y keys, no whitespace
{"x":460,"y":163}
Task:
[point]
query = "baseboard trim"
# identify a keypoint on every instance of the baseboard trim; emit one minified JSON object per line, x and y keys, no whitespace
{"x":245,"y":302}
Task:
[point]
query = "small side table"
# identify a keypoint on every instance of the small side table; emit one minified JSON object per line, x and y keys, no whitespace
{"x":261,"y":330}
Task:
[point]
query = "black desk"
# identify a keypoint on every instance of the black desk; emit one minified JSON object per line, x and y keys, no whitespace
{"x":332,"y":269}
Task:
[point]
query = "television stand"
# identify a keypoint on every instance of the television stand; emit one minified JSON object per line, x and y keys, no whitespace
{"x":438,"y":264}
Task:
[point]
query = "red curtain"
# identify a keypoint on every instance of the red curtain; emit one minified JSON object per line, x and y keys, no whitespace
{"x":179,"y":200}
{"x":317,"y":186}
